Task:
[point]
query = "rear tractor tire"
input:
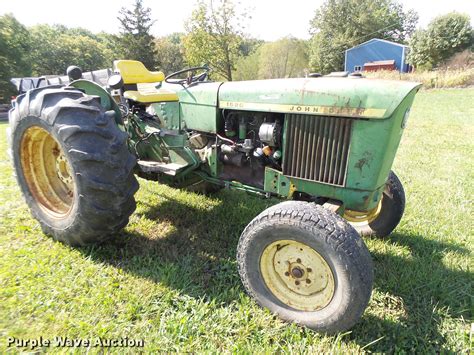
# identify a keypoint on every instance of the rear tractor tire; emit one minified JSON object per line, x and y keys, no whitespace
{"x":306,"y":265}
{"x":384,"y":218}
{"x":72,"y":164}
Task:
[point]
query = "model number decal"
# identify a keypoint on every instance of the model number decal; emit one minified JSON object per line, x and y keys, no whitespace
{"x":329,"y":110}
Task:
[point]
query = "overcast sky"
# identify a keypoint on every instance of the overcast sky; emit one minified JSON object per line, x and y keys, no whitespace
{"x":271,"y":19}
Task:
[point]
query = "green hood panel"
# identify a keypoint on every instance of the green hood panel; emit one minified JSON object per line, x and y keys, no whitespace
{"x":348,"y":97}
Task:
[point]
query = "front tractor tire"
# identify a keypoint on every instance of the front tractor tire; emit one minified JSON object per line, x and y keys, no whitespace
{"x":384,"y":218}
{"x":306,"y":265}
{"x":72,"y":164}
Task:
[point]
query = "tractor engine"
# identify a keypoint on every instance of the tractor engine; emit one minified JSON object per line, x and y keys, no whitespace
{"x":246,"y":144}
{"x":251,"y":141}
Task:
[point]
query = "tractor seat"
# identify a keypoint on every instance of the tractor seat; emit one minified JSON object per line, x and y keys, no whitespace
{"x":140,"y":83}
{"x":150,"y":95}
{"x":134,"y":72}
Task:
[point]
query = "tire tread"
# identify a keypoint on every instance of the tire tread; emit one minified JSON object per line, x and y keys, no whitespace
{"x":339,"y":235}
{"x":78,"y":119}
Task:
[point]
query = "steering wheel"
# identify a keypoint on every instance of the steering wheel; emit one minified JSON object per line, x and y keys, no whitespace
{"x":192,"y":77}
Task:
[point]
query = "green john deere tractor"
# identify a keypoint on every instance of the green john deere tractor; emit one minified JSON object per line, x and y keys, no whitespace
{"x":326,"y":144}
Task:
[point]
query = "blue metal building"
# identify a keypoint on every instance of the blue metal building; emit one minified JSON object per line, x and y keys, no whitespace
{"x":376,"y":50}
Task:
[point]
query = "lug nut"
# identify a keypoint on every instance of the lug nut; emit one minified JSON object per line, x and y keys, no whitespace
{"x":297,"y":282}
{"x":287,"y":273}
{"x":308,"y":281}
{"x":297,"y":272}
{"x":309,"y":269}
{"x":298,"y":260}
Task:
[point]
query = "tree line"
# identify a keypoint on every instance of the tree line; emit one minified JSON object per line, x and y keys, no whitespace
{"x":215,"y":35}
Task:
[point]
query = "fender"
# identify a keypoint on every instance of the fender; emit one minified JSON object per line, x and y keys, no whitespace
{"x":106,"y":100}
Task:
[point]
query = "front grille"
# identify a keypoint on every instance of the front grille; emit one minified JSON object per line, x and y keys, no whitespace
{"x":317,"y":148}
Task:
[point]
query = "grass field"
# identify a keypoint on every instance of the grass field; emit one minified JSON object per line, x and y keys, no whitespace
{"x":170,"y":277}
{"x":430,"y":79}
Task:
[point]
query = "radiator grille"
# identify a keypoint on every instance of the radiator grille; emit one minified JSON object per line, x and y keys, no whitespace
{"x":317,"y":148}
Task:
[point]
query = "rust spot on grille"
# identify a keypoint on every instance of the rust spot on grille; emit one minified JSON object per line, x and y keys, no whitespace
{"x":364,"y":161}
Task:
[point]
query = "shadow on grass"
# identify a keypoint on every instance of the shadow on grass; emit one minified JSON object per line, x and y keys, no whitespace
{"x":196,"y":256}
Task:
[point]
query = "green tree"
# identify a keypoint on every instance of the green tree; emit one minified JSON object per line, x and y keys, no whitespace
{"x":135,"y":41}
{"x":342,"y":24}
{"x":285,"y":58}
{"x":248,"y":63}
{"x":445,"y":36}
{"x":247,"y":67}
{"x":14,"y":54}
{"x":170,"y":53}
{"x":419,"y":54}
{"x":47,"y":52}
{"x":109,"y":46}
{"x":214,"y":36}
{"x":249,"y":45}
{"x":54,"y":48}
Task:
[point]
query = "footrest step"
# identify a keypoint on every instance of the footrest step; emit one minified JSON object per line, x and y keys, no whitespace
{"x":148,"y":166}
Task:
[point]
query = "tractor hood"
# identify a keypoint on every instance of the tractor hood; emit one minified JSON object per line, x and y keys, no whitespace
{"x":332,"y":96}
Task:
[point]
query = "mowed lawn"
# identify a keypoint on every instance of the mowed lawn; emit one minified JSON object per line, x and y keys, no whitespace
{"x":170,"y":278}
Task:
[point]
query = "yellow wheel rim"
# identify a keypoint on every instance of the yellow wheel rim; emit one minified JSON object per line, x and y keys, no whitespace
{"x":47,"y":172}
{"x":362,"y":218}
{"x":297,"y":275}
